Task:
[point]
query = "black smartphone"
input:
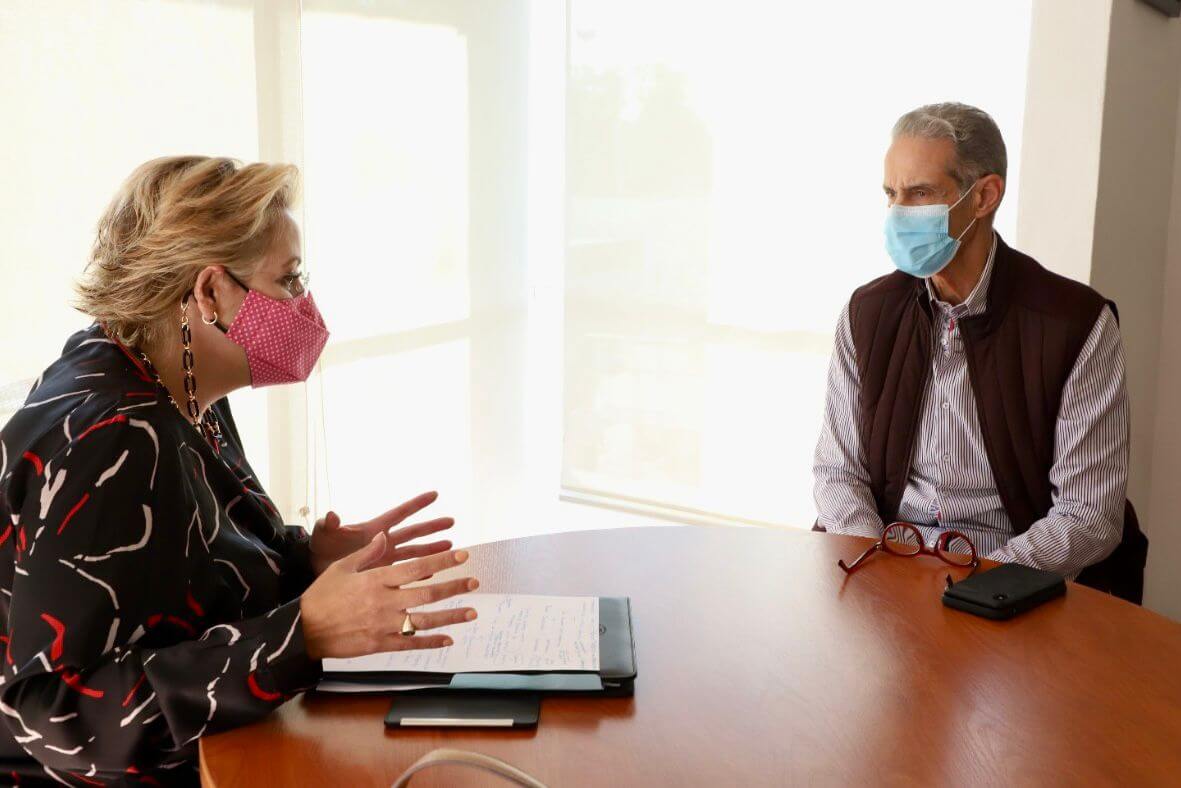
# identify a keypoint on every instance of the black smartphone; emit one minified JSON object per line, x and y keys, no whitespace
{"x":1004,"y":592}
{"x":452,"y":709}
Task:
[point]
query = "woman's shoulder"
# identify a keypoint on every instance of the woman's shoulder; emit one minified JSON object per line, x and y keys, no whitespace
{"x":94,"y":385}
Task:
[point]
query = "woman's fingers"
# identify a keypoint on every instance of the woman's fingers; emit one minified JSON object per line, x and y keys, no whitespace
{"x":330,"y":522}
{"x":404,"y":572}
{"x":400,"y":513}
{"x":435,"y":592}
{"x":399,"y":642}
{"x":396,"y":641}
{"x":440,"y":618}
{"x":367,"y":556}
{"x":416,"y":551}
{"x":385,"y":522}
{"x":418,"y":530}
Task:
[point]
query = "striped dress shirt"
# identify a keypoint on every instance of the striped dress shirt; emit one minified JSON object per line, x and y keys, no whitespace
{"x":951,"y":486}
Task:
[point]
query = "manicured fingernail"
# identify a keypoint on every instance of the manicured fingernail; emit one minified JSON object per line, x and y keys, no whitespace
{"x":461,"y":555}
{"x":447,"y":641}
{"x":473,"y":584}
{"x":470,"y":615}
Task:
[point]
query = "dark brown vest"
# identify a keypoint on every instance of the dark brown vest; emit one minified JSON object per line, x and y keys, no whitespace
{"x":1020,"y":354}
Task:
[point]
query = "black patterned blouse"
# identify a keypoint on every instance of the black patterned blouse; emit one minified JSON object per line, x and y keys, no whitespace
{"x":148,"y":588}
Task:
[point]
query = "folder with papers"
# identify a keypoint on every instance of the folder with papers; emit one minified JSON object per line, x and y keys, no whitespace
{"x":549,"y":644}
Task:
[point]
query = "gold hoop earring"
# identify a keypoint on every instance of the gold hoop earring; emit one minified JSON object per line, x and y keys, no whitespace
{"x":211,"y":321}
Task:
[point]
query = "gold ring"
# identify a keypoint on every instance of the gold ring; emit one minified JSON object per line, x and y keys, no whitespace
{"x":408,"y":626}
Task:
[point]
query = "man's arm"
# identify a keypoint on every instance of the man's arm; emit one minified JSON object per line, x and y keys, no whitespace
{"x":1090,"y":471}
{"x":843,"y":500}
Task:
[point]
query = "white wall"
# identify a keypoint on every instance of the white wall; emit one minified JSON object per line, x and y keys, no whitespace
{"x":1067,"y":64}
{"x":1133,"y":202}
{"x":1164,"y":511}
{"x":1099,"y":194}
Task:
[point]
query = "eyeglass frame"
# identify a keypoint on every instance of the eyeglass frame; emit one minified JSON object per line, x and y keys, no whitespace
{"x":938,"y":551}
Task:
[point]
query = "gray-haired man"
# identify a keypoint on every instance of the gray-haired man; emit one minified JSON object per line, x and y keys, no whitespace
{"x":972,"y":389}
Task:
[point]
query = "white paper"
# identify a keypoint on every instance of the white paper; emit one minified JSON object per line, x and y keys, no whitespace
{"x":352,"y":687}
{"x":513,"y":632}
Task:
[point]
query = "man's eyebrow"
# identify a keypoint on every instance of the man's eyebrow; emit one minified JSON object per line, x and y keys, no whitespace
{"x":909,"y":187}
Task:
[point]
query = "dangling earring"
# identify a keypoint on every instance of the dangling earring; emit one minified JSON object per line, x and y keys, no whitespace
{"x":208,"y":426}
{"x":186,"y":361}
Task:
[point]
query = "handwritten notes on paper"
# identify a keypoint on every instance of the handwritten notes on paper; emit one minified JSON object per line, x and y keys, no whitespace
{"x":512,"y":633}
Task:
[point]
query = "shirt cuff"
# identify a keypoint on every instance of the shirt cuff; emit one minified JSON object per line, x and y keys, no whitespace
{"x":1001,"y":556}
{"x":854,"y":528}
{"x":288,"y":669}
{"x":298,"y":573}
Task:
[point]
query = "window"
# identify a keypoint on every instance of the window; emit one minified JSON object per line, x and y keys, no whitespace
{"x":91,"y":91}
{"x":415,"y":228}
{"x":570,"y":253}
{"x":724,"y":193}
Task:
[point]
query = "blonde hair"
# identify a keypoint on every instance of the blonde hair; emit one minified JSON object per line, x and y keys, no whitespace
{"x":171,"y":218}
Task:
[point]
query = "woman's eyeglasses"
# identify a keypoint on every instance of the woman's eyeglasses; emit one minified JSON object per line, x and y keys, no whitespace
{"x":905,"y":540}
{"x":296,"y":283}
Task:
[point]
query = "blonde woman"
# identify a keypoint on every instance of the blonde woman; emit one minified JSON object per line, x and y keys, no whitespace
{"x":149,"y":592}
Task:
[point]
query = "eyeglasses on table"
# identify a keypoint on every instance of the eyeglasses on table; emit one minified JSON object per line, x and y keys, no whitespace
{"x":906,"y":541}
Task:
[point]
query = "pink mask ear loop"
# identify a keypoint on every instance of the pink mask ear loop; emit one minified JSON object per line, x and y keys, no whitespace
{"x":216,"y":321}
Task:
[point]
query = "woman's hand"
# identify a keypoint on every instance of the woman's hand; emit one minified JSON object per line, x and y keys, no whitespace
{"x":332,"y":541}
{"x":357,"y":605}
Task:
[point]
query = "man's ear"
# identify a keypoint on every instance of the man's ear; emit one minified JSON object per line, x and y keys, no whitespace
{"x":991,"y":189}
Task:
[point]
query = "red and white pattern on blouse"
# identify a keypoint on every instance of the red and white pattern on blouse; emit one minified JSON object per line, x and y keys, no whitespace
{"x":148,"y":589}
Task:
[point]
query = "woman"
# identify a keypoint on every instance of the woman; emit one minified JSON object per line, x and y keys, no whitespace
{"x":149,"y":592}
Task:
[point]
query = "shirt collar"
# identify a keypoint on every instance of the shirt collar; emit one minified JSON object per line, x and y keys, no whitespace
{"x":977,"y":301}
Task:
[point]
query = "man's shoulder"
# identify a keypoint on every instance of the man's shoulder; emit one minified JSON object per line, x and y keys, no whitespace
{"x":882,"y":295}
{"x":891,"y":284}
{"x":1038,"y":289}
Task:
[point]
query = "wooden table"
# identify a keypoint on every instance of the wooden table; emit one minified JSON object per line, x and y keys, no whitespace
{"x":759,"y":663}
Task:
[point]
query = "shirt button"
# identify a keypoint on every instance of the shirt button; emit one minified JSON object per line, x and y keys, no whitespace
{"x":946,"y":405}
{"x":947,"y":458}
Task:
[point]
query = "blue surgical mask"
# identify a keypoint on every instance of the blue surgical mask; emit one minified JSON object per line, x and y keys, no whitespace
{"x":917,"y":239}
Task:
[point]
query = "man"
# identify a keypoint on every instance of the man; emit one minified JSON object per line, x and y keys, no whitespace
{"x":972,"y":389}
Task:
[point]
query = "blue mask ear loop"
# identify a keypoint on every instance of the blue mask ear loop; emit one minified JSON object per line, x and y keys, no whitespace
{"x":954,"y":204}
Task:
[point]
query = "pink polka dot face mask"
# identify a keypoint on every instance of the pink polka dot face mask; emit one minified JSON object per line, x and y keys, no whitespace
{"x":282,"y":339}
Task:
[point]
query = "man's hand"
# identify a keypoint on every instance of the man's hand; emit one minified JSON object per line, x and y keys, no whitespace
{"x":332,"y":541}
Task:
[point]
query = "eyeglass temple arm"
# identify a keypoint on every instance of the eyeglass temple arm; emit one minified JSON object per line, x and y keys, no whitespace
{"x":857,"y":561}
{"x":974,"y":566}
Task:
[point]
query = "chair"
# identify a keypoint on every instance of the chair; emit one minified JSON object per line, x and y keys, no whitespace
{"x":12,"y":398}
